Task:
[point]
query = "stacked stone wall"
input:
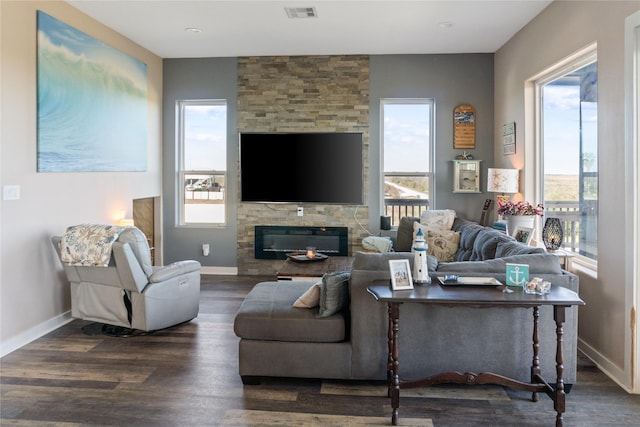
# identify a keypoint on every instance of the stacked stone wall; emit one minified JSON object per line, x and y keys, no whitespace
{"x":301,"y":94}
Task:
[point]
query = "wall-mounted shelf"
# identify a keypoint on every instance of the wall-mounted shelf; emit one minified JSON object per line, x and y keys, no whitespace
{"x":466,"y":176}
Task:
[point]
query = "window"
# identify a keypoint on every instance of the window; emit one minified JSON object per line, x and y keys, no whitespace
{"x":202,"y":163}
{"x":407,"y":144}
{"x":568,"y":109}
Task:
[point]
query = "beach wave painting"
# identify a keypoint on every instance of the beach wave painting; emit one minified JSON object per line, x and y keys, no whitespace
{"x":92,"y":103}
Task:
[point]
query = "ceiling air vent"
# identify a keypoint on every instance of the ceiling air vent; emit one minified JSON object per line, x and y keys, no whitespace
{"x":301,"y":12}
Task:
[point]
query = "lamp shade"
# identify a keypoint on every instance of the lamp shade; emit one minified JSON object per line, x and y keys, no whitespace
{"x":502,"y":180}
{"x":552,"y":234}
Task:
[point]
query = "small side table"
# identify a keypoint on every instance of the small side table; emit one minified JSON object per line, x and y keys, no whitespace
{"x":565,"y":258}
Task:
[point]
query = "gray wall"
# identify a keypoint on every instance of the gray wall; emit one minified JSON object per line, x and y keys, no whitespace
{"x":607,"y":326}
{"x":207,"y":78}
{"x":450,"y":80}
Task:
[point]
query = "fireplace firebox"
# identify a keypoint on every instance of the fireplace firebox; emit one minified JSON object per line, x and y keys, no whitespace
{"x":275,"y":242}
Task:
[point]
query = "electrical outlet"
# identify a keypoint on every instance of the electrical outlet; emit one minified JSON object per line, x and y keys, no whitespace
{"x":300,"y":211}
{"x":205,"y":249}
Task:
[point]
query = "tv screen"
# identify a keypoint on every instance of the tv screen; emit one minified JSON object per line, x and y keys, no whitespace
{"x":301,"y":168}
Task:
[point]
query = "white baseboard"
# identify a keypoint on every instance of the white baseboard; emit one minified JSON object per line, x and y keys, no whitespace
{"x":227,"y":271}
{"x":34,"y":333}
{"x":605,"y":365}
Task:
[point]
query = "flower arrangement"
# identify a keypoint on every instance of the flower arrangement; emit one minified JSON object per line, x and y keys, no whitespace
{"x":519,"y":208}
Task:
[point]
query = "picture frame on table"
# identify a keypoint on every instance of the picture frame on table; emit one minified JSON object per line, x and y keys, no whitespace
{"x":400,"y":271}
{"x":523,"y":234}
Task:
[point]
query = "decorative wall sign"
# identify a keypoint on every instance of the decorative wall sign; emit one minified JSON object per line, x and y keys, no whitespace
{"x":509,"y":138}
{"x":92,"y":103}
{"x":464,"y":127}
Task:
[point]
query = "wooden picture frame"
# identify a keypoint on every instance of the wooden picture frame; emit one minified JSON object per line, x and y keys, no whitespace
{"x":464,"y":127}
{"x":400,"y":271}
{"x":523,"y":234}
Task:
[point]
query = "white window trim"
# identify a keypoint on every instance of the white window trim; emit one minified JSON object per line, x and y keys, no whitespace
{"x":579,"y":59}
{"x":431,"y":171}
{"x":180,"y":169}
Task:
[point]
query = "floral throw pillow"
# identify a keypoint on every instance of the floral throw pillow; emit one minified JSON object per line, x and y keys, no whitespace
{"x":443,"y":245}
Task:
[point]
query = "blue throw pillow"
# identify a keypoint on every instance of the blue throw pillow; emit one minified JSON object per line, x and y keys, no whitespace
{"x":334,"y":293}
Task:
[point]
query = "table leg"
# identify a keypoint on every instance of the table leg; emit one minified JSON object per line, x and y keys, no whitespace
{"x":390,"y":350}
{"x":394,"y":383}
{"x":559,"y":396}
{"x":535,"y":363}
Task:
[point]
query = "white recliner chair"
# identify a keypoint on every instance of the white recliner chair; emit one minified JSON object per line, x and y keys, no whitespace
{"x":127,"y":290}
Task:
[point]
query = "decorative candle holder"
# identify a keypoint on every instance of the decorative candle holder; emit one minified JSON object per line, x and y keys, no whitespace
{"x":552,"y":234}
{"x":311,"y":252}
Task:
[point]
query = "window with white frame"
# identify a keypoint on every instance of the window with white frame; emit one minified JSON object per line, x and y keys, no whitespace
{"x":568,"y":151}
{"x":407,"y":146}
{"x":202,"y":170}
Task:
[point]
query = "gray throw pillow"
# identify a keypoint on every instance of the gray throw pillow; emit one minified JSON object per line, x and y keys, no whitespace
{"x":334,"y":293}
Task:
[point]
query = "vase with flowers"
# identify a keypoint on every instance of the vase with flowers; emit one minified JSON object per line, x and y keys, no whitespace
{"x":519,"y":214}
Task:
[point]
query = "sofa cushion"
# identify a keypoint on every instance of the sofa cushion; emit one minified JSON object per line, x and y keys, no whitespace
{"x":540,"y":263}
{"x":511,"y":247}
{"x":380,"y":262}
{"x":468,"y":234}
{"x":404,"y":238}
{"x":334,"y":293}
{"x":267,"y":313}
{"x":485,"y":244}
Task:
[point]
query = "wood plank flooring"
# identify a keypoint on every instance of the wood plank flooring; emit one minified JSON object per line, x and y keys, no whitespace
{"x":187,"y":376}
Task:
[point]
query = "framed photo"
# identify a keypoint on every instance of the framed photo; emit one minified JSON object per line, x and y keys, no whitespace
{"x":400,"y":274}
{"x":523,"y":234}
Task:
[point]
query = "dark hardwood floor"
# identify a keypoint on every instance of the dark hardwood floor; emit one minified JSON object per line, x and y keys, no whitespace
{"x":187,"y":376}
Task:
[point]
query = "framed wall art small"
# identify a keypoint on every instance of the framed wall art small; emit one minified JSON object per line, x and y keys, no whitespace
{"x":464,"y":127}
{"x":509,"y":138}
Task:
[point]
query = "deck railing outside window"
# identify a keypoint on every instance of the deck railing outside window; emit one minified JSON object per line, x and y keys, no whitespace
{"x":397,"y":208}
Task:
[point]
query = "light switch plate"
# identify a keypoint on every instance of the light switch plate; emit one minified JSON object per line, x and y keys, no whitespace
{"x":11,"y":192}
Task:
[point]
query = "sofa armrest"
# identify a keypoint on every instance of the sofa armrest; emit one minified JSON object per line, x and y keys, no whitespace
{"x":161,"y":274}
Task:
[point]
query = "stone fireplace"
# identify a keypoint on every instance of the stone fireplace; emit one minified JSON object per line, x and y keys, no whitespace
{"x":301,"y":94}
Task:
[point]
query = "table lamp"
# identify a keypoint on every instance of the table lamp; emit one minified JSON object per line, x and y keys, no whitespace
{"x":502,"y":181}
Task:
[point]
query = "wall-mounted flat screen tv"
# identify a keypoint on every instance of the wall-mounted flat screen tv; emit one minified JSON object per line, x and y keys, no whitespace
{"x":302,"y":168}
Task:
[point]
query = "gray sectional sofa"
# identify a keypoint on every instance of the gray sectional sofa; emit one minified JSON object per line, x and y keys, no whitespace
{"x":279,"y":340}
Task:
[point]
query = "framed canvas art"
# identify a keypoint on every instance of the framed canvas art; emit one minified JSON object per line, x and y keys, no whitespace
{"x":92,"y":103}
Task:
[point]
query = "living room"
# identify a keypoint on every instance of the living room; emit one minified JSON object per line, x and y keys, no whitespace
{"x":36,"y":300}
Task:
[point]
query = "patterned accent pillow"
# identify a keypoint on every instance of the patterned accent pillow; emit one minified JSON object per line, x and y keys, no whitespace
{"x":438,"y":219}
{"x":311,"y":298}
{"x":443,"y":245}
{"x":334,"y":293}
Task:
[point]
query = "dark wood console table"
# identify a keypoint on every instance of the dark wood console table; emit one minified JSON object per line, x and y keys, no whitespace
{"x":436,"y":294}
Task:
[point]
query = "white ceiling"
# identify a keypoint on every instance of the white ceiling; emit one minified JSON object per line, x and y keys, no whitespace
{"x":262,"y":27}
